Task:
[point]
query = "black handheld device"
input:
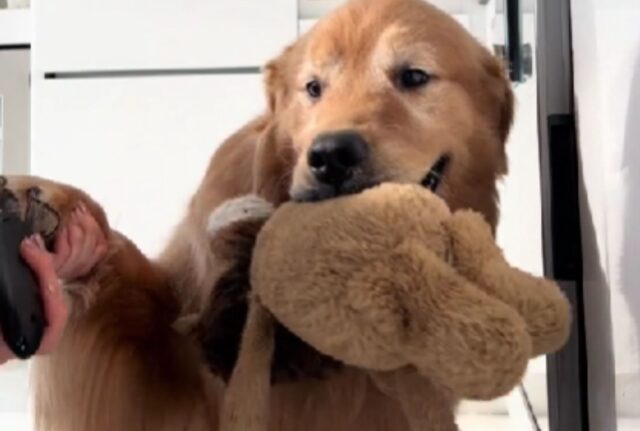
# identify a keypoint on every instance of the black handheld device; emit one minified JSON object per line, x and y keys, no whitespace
{"x":22,"y":319}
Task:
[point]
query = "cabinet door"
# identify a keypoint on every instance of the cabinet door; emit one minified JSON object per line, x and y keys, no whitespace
{"x":139,"y":146}
{"x":108,"y":35}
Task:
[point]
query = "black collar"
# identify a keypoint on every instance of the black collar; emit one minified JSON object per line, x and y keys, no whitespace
{"x":434,"y":177}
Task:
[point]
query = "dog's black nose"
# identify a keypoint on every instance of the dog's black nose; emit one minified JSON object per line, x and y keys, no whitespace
{"x":333,"y":157}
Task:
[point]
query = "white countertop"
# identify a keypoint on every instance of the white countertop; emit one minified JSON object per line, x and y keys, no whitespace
{"x":15,"y":26}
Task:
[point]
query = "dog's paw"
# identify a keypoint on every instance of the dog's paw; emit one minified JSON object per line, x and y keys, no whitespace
{"x":28,"y":201}
{"x":45,"y":205}
{"x":246,"y":208}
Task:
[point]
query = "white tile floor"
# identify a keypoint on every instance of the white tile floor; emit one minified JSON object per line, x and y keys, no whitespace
{"x":503,"y":423}
{"x":486,"y":423}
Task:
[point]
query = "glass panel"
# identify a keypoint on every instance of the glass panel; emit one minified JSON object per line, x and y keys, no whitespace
{"x":606,"y":49}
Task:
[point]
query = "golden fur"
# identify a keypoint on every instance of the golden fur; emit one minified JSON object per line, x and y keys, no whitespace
{"x":122,"y":366}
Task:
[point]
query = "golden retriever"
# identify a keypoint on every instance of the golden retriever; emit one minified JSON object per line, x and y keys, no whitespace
{"x":377,"y":91}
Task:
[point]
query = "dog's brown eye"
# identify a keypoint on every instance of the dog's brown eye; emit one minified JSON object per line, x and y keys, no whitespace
{"x":409,"y":79}
{"x":314,"y":89}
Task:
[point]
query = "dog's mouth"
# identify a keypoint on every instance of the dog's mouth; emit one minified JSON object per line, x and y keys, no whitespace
{"x":432,"y":181}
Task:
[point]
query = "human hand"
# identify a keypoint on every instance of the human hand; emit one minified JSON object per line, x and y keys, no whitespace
{"x":78,"y":247}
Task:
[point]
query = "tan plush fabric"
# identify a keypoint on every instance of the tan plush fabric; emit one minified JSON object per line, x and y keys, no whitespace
{"x":390,"y":281}
{"x":539,"y":301}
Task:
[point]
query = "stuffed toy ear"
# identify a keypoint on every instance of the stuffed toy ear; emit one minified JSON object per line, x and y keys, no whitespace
{"x":247,"y":396}
{"x":232,"y":229}
{"x":539,"y":301}
{"x":245,"y":209}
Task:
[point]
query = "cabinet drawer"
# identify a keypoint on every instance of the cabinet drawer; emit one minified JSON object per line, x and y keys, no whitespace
{"x":138,"y":146}
{"x":107,"y":35}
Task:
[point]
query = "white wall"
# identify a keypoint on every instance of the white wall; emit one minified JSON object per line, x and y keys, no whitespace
{"x":606,"y":37}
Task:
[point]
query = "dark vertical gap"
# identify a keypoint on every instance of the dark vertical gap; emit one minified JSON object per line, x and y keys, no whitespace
{"x":513,"y":16}
{"x":566,"y":369}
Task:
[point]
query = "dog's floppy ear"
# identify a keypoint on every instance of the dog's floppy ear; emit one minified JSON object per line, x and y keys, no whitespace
{"x":501,"y":93}
{"x":273,"y":165}
{"x":274,"y":159}
{"x":279,"y":77}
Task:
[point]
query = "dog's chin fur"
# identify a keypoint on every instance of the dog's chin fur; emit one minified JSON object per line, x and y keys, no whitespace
{"x":323,"y":192}
{"x":122,"y":366}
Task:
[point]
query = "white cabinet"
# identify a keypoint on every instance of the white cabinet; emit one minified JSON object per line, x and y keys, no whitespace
{"x":108,"y":35}
{"x":140,"y":141}
{"x":139,"y":146}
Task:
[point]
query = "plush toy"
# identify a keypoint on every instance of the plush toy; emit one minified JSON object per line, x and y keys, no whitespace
{"x":389,"y":281}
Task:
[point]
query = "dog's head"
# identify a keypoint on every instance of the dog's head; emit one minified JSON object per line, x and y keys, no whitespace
{"x":379,"y":91}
